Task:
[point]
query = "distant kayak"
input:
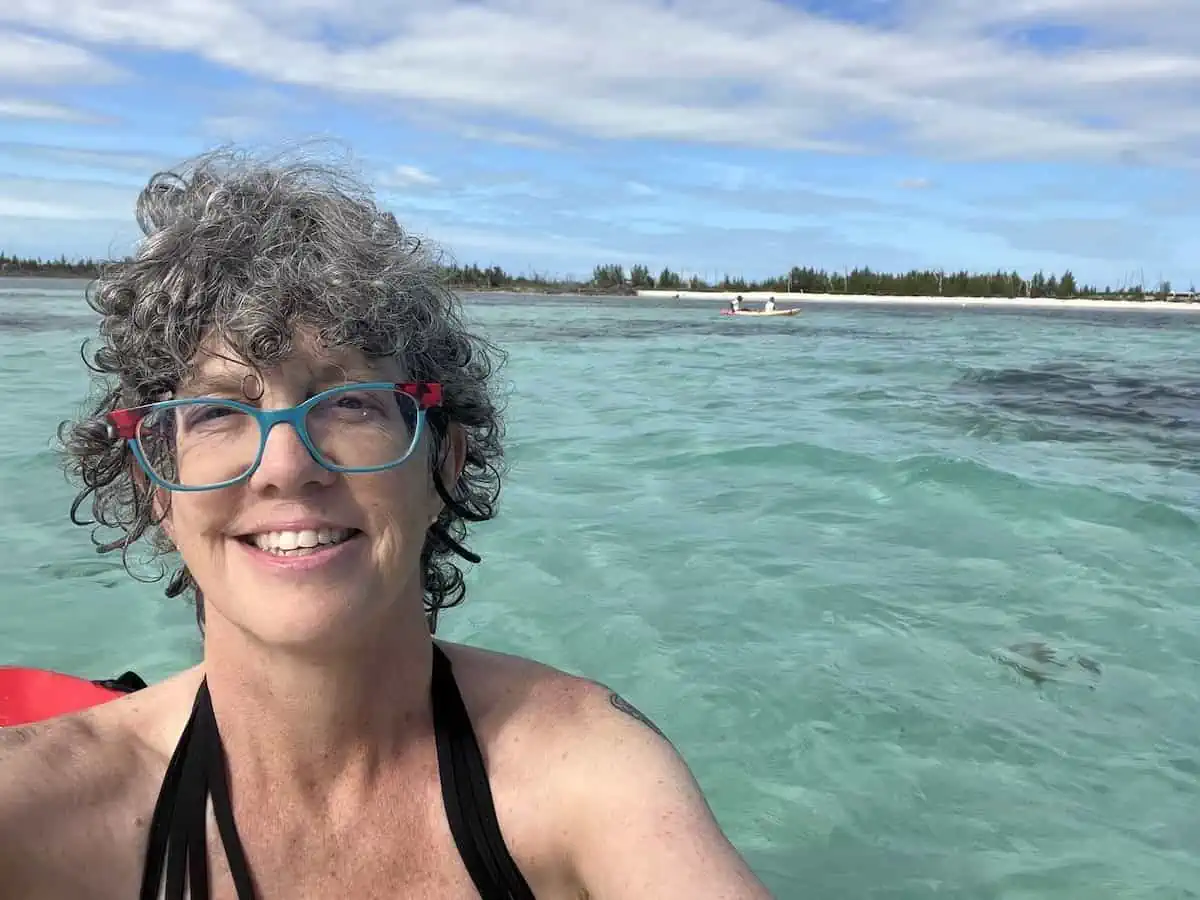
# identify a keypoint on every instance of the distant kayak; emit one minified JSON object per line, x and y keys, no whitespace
{"x":760,"y":312}
{"x":31,"y":695}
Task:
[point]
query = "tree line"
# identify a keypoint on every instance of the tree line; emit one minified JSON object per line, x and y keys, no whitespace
{"x":614,"y":278}
{"x":52,"y":268}
{"x":864,"y":280}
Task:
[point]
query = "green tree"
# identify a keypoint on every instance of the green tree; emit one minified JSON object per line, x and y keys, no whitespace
{"x":1067,"y":286}
{"x":668,"y":281}
{"x":608,"y":276}
{"x":640,"y":277}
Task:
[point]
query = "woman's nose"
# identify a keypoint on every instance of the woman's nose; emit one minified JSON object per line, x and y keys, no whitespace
{"x":286,"y":462}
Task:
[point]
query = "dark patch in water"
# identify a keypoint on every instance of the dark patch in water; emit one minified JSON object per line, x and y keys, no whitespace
{"x":1039,"y":662}
{"x":30,"y":323}
{"x":1074,"y":390}
{"x":635,"y":329}
{"x":1074,"y":403}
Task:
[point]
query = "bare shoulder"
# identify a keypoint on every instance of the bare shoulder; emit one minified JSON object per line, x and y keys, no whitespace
{"x":640,"y":825}
{"x":75,"y":795}
{"x":633,"y":819}
{"x":56,"y":774}
{"x":509,"y":696}
{"x":495,"y":683}
{"x":47,"y":765}
{"x":513,"y":690}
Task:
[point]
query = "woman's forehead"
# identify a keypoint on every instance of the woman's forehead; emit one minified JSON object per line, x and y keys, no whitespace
{"x":218,"y":367}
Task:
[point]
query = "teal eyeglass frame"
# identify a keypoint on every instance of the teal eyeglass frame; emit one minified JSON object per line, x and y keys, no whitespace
{"x":125,"y":424}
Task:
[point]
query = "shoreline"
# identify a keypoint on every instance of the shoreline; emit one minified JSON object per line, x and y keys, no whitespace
{"x":792,"y":298}
{"x":783,"y":297}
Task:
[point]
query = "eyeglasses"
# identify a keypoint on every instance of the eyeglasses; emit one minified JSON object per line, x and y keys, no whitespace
{"x":204,"y":443}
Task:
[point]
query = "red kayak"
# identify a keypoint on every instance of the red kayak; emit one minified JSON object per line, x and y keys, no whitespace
{"x":31,"y":695}
{"x":765,"y":313}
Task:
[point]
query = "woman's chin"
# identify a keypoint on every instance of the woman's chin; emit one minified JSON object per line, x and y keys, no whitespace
{"x":313,"y":624}
{"x":331,"y":597}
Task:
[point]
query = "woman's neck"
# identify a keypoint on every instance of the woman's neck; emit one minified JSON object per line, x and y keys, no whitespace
{"x":314,"y":722}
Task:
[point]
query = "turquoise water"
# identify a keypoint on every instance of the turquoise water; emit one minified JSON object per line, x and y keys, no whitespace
{"x":800,"y":546}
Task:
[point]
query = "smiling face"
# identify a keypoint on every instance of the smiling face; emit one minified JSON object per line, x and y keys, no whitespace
{"x":249,"y":546}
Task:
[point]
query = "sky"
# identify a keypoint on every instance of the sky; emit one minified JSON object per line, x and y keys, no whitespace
{"x":736,"y":137}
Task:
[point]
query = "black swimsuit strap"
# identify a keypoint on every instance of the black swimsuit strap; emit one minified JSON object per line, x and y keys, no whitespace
{"x":467,"y":795}
{"x":218,"y":785}
{"x":177,"y":843}
{"x":178,"y":837}
{"x":162,"y":823}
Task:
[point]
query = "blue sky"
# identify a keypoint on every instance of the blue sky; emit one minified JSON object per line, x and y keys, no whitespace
{"x":712,"y":136}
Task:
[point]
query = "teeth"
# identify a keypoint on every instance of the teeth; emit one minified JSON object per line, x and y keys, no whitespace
{"x":286,"y":541}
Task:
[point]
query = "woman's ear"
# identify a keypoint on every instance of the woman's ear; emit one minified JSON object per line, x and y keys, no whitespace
{"x":452,"y":459}
{"x":160,"y":501}
{"x":456,"y":457}
{"x":164,"y":519}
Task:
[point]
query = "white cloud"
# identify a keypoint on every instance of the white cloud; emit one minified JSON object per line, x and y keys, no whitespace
{"x":1095,"y":238}
{"x":136,"y":163}
{"x":944,"y":79}
{"x":403,"y":176}
{"x":27,"y":60}
{"x":462,"y":244}
{"x":1143,"y":17}
{"x":42,"y":110}
{"x":453,"y":121}
{"x":248,"y":114}
{"x":37,"y":198}
{"x":235,"y":128}
{"x":24,"y":208}
{"x":504,"y":136}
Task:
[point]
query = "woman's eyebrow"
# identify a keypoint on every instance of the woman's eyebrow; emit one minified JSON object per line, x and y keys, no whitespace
{"x":212,"y":382}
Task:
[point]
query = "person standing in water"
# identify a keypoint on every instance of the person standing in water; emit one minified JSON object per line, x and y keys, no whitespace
{"x":295,"y":406}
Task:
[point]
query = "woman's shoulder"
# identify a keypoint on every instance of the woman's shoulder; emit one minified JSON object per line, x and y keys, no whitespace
{"x":76,"y":788}
{"x":504,"y":686}
{"x":512,"y":698}
{"x":571,"y":758}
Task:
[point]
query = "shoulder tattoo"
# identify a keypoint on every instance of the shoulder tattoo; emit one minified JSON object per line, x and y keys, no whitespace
{"x":621,"y":704}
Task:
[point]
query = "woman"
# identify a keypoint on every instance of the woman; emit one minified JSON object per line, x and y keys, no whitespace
{"x":295,"y":406}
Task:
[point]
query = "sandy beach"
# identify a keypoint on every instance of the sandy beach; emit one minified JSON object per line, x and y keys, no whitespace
{"x":753,"y":298}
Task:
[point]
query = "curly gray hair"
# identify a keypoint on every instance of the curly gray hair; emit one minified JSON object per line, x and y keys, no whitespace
{"x":252,"y":252}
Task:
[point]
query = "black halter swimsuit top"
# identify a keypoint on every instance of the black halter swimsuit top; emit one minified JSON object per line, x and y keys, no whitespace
{"x":197,"y":771}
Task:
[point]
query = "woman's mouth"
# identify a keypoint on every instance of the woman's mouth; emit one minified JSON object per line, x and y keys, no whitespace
{"x":299,"y":543}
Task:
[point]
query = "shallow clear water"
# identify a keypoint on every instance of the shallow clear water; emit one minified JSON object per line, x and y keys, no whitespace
{"x":801,"y":545}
